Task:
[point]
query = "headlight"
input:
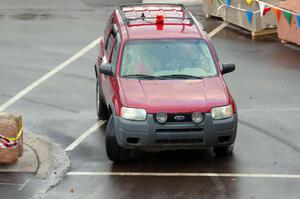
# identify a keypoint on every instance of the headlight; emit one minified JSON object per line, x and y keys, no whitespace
{"x":161,"y":117}
{"x":197,"y":117}
{"x":223,"y":112}
{"x":133,"y":114}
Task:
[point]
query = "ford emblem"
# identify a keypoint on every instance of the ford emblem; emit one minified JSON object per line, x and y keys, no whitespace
{"x":179,"y":117}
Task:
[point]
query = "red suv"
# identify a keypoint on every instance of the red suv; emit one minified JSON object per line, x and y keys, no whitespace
{"x":160,"y":84}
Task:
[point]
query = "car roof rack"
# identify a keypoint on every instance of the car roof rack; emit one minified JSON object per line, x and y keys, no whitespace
{"x":127,"y":20}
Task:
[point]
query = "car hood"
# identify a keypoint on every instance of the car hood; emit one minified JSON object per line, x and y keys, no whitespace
{"x":174,"y":96}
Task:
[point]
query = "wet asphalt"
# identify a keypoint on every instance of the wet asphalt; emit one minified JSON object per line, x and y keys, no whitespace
{"x":36,"y":36}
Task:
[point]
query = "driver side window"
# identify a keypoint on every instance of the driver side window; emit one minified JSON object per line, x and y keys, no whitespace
{"x":115,"y":52}
{"x":109,"y":44}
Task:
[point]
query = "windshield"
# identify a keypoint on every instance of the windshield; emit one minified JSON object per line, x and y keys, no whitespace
{"x":168,"y":58}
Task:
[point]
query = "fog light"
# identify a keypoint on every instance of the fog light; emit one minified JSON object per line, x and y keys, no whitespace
{"x":197,"y":117}
{"x":161,"y":117}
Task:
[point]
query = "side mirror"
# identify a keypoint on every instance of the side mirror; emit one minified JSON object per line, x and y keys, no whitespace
{"x":106,"y":70}
{"x":227,"y":68}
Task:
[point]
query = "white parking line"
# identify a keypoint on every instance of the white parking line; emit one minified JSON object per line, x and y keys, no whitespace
{"x":84,"y":135}
{"x":271,"y":110}
{"x":10,"y":184}
{"x":218,"y":29}
{"x":16,"y":184}
{"x":48,"y":75}
{"x":23,"y":185}
{"x":247,"y":175}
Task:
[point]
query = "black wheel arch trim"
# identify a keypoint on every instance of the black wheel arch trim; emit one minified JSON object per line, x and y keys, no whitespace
{"x":111,"y":108}
{"x":96,"y":70}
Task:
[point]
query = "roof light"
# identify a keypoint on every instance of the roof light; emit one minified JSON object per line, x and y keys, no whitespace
{"x":159,"y":19}
{"x":159,"y":22}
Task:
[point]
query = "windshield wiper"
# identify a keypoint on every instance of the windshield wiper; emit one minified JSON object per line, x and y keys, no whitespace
{"x":181,"y":76}
{"x":143,"y":76}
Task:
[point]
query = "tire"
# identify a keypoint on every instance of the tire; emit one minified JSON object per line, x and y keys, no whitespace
{"x":114,"y":152}
{"x":102,"y":111}
{"x":224,"y":151}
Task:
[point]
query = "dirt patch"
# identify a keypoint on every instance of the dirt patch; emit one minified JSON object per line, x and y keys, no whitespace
{"x":32,"y":16}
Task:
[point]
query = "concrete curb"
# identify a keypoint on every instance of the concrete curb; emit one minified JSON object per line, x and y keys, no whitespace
{"x":53,"y":163}
{"x":42,"y":157}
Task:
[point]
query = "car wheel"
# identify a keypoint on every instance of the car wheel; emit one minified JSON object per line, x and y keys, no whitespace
{"x":114,"y":152}
{"x":224,"y":151}
{"x":102,"y":111}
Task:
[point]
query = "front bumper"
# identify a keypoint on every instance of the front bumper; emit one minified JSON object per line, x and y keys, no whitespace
{"x":150,"y":135}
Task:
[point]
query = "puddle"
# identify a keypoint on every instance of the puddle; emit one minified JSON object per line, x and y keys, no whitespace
{"x":32,"y":16}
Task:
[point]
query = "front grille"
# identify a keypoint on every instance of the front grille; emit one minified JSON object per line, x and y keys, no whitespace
{"x":179,"y":141}
{"x":172,"y":117}
{"x":178,"y":130}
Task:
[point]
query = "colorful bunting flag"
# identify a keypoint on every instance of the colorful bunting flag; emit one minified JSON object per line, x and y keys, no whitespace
{"x":249,"y":16}
{"x":277,"y":13}
{"x":261,"y":7}
{"x":266,"y":10}
{"x":227,"y":2}
{"x":288,"y":16}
